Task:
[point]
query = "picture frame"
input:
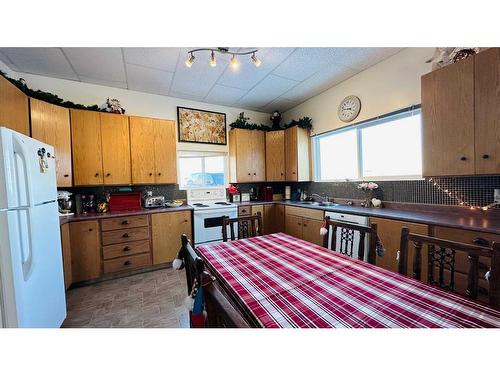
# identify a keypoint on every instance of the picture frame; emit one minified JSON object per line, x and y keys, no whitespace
{"x":201,"y":126}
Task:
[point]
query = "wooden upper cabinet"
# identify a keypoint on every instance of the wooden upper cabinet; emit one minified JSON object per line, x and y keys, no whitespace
{"x":142,"y":150}
{"x":258,"y":155}
{"x":448,"y":120}
{"x":51,"y":124}
{"x":86,"y":146}
{"x":14,"y":108}
{"x":275,"y":155}
{"x":115,"y":149}
{"x":487,"y":111}
{"x":165,"y":150}
{"x":247,"y":155}
{"x":297,"y":152}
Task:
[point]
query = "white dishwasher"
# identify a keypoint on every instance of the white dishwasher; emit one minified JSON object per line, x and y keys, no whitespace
{"x":351,"y":219}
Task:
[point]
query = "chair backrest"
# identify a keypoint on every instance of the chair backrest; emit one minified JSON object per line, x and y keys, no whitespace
{"x":347,"y":239}
{"x":247,"y":226}
{"x":442,"y":259}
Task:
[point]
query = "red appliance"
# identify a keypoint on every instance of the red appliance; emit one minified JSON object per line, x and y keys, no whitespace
{"x":125,"y":201}
{"x":266,"y":193}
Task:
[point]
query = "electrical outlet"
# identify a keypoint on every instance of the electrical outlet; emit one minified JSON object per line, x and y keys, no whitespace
{"x":496,"y":196}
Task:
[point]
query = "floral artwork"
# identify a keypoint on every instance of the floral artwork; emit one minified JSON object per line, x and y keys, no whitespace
{"x":200,"y":126}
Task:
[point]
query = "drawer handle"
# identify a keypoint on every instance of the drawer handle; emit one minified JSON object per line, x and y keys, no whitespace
{"x":159,"y":174}
{"x":108,"y":174}
{"x":96,"y":175}
{"x":185,"y":221}
{"x":463,"y":158}
{"x":486,"y":156}
{"x":127,"y":248}
{"x":127,"y":263}
{"x":150,"y":174}
{"x":480,"y":241}
{"x":125,"y":235}
{"x":90,"y":229}
{"x":66,"y":175}
{"x":249,"y":174}
{"x":125,"y":222}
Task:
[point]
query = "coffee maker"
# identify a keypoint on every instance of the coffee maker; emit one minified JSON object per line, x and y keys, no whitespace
{"x":65,"y":202}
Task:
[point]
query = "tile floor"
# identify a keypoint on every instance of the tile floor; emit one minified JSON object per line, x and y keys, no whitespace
{"x":148,"y":300}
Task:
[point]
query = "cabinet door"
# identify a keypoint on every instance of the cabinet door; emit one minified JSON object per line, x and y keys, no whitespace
{"x":448,"y":120}
{"x":66,"y":253}
{"x":275,"y":155}
{"x":260,"y":208}
{"x":389,"y":232}
{"x":293,"y":225}
{"x":291,"y":154}
{"x":51,"y":124}
{"x":310,"y":231}
{"x":167,"y":229}
{"x":142,"y":150}
{"x":259,"y":156}
{"x":487,"y":113}
{"x":115,"y":149}
{"x":86,"y":147}
{"x":244,"y":155}
{"x":165,"y":150}
{"x":14,"y":113}
{"x":85,"y":250}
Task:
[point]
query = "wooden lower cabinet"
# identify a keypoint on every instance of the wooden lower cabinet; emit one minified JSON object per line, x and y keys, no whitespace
{"x":66,"y":255}
{"x":275,"y":218}
{"x":85,"y":250}
{"x":310,"y":231}
{"x":127,"y":263}
{"x":293,"y":225}
{"x":389,"y":232}
{"x":304,"y":223}
{"x":167,"y":229}
{"x":259,"y":208}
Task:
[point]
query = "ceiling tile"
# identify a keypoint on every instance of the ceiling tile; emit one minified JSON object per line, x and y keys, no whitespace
{"x":44,"y":61}
{"x":224,"y":95}
{"x":149,"y":80}
{"x":97,"y":63}
{"x":280,"y":104}
{"x":304,"y":62}
{"x":362,"y":58}
{"x":248,"y":75}
{"x":266,"y":91}
{"x":158,"y":58}
{"x":200,"y":77}
{"x":121,"y":85}
{"x":319,"y":82}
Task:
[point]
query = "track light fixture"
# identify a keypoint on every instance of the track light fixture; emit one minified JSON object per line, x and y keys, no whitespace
{"x":225,"y":51}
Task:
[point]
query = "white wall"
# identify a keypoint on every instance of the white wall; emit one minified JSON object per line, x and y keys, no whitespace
{"x":134,"y":102}
{"x":390,"y":85}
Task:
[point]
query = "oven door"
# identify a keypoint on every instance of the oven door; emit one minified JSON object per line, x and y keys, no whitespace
{"x":208,"y":224}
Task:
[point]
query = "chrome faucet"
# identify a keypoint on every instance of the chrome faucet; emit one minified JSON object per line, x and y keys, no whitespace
{"x":323,"y":199}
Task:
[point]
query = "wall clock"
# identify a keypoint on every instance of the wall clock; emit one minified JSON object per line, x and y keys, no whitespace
{"x":349,"y":108}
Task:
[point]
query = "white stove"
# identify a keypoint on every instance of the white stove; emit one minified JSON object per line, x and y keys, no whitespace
{"x":209,"y":206}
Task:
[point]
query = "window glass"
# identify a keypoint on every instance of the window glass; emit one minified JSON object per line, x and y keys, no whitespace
{"x":201,"y":171}
{"x":339,"y":156}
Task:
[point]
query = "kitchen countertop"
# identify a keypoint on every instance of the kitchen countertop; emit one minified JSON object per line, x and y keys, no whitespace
{"x":446,"y":216}
{"x":106,"y":215}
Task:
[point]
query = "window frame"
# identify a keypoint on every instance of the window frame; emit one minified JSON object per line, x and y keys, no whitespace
{"x":358,"y":128}
{"x":184,"y":154}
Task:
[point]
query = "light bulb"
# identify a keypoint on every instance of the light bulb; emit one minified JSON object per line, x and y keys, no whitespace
{"x":256,"y":60}
{"x":189,"y":62}
{"x":213,"y":62}
{"x":234,"y":62}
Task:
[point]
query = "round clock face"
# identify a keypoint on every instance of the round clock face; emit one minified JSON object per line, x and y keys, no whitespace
{"x":349,"y":108}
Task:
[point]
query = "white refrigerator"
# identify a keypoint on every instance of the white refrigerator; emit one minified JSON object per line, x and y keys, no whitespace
{"x":32,"y":292}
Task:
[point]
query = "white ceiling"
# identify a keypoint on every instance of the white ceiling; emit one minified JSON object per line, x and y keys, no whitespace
{"x":286,"y":77}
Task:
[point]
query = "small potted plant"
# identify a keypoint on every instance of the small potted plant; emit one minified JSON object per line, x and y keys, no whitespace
{"x":368,"y":188}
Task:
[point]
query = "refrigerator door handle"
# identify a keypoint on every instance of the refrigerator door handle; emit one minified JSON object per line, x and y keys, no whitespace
{"x":27,"y":254}
{"x":20,"y":150}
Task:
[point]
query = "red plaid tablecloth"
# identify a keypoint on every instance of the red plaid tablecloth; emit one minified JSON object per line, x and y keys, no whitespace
{"x":287,"y":282}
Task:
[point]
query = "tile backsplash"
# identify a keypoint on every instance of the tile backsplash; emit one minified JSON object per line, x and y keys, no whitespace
{"x":170,"y":192}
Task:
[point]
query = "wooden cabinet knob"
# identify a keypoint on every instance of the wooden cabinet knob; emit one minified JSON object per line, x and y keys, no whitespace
{"x":108,"y":174}
{"x":293,"y":172}
{"x":255,"y":174}
{"x":150,"y":174}
{"x":66,"y":175}
{"x":127,"y":263}
{"x":125,"y":235}
{"x":90,"y":229}
{"x":185,"y":221}
{"x":304,"y":225}
{"x":126,"y":248}
{"x":96,"y":175}
{"x":159,"y":174}
{"x":463,"y":158}
{"x":125,"y":222}
{"x":486,"y":156}
{"x":249,"y":174}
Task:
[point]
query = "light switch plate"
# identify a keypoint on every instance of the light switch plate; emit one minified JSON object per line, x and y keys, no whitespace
{"x":496,"y":196}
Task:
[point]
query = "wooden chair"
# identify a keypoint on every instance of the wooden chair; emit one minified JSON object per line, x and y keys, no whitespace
{"x":442,"y":259}
{"x":347,"y":232}
{"x":248,"y":226}
{"x":220,"y":312}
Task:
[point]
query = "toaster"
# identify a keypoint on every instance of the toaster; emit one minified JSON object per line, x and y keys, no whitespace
{"x":154,"y":201}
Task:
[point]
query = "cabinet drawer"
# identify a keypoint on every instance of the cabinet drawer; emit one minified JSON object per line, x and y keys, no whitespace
{"x":127,"y":263}
{"x":305,"y":212}
{"x":125,"y":235}
{"x":244,"y":210}
{"x":125,"y":222}
{"x":125,"y":249}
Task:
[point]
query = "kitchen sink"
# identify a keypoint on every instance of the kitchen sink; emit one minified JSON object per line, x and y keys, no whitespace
{"x":322,"y":204}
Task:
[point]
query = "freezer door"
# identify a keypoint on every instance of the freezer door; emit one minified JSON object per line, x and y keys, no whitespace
{"x":27,"y":171}
{"x":33,"y":293}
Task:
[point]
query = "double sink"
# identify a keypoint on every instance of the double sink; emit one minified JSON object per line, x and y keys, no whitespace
{"x":321,"y":204}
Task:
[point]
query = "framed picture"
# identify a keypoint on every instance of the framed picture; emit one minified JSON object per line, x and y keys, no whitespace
{"x":199,"y":126}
